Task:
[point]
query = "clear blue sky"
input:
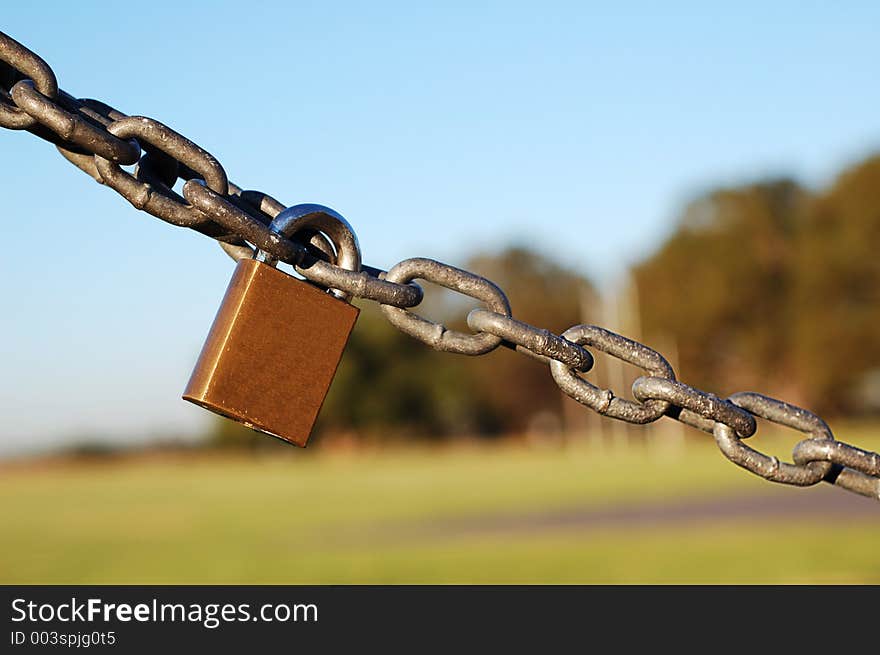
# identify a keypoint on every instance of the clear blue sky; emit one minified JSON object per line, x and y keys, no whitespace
{"x":437,"y":131}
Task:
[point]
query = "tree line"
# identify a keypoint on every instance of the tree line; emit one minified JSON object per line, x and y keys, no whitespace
{"x":775,"y":287}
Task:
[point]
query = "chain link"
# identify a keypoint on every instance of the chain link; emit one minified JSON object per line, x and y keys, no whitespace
{"x":71,"y":124}
{"x":534,"y":342}
{"x":700,"y":409}
{"x":23,"y":64}
{"x":434,"y":334}
{"x":604,"y":401}
{"x":99,"y":140}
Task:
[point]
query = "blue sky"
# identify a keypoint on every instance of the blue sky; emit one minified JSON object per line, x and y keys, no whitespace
{"x":437,"y":130}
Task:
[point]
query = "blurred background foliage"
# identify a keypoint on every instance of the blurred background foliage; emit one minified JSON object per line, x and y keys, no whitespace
{"x":774,"y":287}
{"x":768,"y":286}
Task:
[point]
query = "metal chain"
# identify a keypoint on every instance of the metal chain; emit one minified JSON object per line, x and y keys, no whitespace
{"x":100,"y":140}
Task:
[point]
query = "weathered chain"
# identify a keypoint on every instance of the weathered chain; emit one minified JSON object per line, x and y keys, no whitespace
{"x":101,"y":140}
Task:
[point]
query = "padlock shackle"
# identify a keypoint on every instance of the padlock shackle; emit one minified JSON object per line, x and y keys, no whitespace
{"x":326,"y":221}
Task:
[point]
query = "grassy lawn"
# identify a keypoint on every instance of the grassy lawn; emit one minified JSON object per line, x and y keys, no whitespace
{"x":373,"y":517}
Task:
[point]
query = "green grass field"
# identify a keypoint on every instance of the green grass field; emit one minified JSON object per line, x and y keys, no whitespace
{"x":416,"y":516}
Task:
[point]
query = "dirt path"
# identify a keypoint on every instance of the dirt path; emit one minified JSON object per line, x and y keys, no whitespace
{"x":819,"y":504}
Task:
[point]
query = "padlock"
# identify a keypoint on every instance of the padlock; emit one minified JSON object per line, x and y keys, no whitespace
{"x":276,"y":341}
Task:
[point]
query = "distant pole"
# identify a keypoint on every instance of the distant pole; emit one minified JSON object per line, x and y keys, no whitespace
{"x":576,"y":420}
{"x":614,"y":314}
{"x":672,"y":433}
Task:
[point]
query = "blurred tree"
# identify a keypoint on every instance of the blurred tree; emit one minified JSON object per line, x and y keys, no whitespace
{"x":837,"y":290}
{"x":721,"y":284}
{"x":772,"y":288}
{"x":389,"y":384}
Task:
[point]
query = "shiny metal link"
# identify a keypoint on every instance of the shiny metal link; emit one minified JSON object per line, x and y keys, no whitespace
{"x":64,"y":109}
{"x":766,"y":466}
{"x":361,"y":284}
{"x":209,"y":202}
{"x":695,"y":404}
{"x":534,"y":342}
{"x":268,"y":207}
{"x":101,"y":114}
{"x":823,"y":450}
{"x":369,"y":283}
{"x":162,"y":202}
{"x":264,"y":207}
{"x":74,"y":127}
{"x":434,"y":334}
{"x":857,"y":470}
{"x":311,"y":218}
{"x":604,"y":401}
{"x":30,"y":66}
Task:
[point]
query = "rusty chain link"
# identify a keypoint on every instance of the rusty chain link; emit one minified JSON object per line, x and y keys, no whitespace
{"x":100,"y":140}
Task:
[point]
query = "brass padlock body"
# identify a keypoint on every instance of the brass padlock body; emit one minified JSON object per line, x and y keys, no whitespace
{"x":272,"y":352}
